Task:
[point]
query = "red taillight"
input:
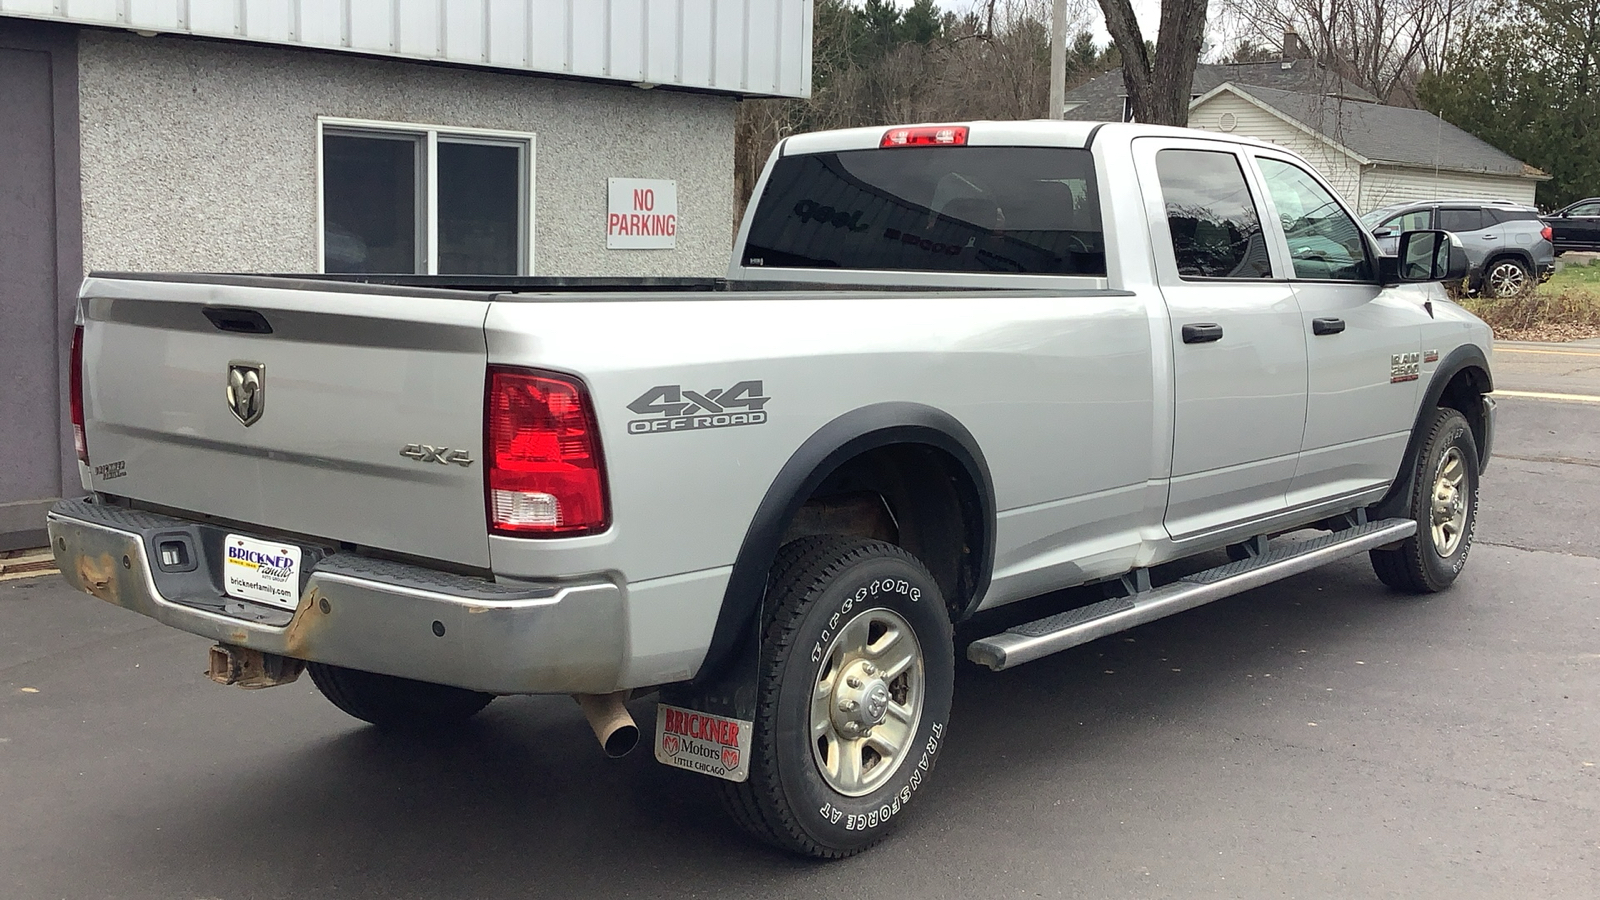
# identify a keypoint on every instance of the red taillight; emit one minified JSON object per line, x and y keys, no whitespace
{"x":543,"y":474}
{"x":75,"y":378}
{"x":933,"y":136}
{"x":1547,"y":233}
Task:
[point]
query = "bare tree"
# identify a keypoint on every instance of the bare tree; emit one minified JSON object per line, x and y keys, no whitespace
{"x":991,"y":62}
{"x":1382,"y":45}
{"x":1158,"y":83}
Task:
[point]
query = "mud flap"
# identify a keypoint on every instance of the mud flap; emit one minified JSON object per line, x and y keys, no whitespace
{"x":725,"y":705}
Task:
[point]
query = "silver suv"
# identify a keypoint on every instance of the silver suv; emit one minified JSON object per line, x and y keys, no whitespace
{"x":1507,"y":244}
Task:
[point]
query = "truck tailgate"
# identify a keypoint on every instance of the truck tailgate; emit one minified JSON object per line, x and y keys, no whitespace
{"x":368,"y":420}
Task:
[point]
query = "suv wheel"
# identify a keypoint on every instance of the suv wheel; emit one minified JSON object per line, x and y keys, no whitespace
{"x":1507,"y":277}
{"x":852,"y":696}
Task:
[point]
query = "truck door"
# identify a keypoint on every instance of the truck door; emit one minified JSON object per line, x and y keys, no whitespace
{"x":1361,"y":339}
{"x":1239,"y":360}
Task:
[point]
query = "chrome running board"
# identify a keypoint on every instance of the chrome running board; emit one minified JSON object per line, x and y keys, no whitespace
{"x":1062,"y":631}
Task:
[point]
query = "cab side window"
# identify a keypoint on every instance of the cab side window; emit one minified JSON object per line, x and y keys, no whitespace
{"x":1215,"y":228}
{"x":1324,"y":242}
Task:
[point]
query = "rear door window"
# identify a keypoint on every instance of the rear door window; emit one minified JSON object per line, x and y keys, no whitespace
{"x":1459,"y":220}
{"x":1213,"y":220}
{"x":945,"y":209}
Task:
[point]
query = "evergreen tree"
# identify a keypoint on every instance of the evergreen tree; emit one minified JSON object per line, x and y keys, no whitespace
{"x":1524,"y":78}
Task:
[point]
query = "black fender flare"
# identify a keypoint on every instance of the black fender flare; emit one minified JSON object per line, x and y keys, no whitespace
{"x":1517,"y":253}
{"x":847,"y":436}
{"x":1466,"y":356}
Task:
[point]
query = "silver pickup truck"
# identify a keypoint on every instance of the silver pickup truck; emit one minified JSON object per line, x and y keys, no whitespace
{"x":951,"y":367}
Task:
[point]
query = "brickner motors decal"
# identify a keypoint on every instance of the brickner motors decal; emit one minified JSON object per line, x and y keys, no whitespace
{"x":672,"y":408}
{"x":699,"y":742}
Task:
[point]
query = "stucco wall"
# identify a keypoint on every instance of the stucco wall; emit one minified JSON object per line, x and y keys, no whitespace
{"x":201,"y":156}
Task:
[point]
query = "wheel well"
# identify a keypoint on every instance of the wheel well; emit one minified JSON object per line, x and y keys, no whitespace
{"x":1464,"y":394}
{"x":1488,"y":263}
{"x":912,"y":495}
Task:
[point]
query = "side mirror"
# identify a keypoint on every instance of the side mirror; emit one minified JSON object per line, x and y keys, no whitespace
{"x":1384,"y":233}
{"x":1426,"y":256}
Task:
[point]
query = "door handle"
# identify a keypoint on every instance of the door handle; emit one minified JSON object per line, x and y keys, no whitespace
{"x":1202,"y":333}
{"x":1327,"y":326}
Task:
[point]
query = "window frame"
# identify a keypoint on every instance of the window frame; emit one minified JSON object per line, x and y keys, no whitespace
{"x":428,"y":169}
{"x":1145,"y":150}
{"x":1275,"y":220}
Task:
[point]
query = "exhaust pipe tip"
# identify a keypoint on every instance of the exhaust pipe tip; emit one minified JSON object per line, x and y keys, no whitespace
{"x":613,"y":725}
{"x":621,"y":742}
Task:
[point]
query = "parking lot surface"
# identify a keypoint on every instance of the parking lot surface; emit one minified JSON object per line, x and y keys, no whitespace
{"x":1316,"y":738}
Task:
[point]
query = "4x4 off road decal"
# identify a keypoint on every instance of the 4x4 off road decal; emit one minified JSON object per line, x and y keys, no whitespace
{"x":672,"y":408}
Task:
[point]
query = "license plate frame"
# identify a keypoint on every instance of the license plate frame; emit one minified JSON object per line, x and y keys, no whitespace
{"x":265,"y":572}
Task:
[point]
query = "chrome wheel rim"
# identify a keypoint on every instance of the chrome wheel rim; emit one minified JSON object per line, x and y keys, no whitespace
{"x":867,"y":702}
{"x":1507,"y":279}
{"x":1449,"y":507}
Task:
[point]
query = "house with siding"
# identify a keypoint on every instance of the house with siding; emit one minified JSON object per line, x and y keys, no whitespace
{"x":1374,"y":155}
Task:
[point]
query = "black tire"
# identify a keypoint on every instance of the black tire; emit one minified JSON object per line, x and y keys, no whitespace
{"x":819,"y":587}
{"x":397,"y":704}
{"x":1507,"y":277}
{"x":1420,"y":565}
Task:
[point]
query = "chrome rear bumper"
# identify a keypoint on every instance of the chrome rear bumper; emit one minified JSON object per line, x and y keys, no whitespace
{"x":359,"y":612}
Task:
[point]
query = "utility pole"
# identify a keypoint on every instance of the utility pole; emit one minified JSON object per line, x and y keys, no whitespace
{"x":1058,"y":60}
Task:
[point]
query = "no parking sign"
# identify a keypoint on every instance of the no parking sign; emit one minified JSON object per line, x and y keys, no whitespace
{"x":641,"y":214}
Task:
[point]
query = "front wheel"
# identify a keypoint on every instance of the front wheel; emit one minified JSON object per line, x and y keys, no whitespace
{"x":1444,"y":502}
{"x":853,"y":696}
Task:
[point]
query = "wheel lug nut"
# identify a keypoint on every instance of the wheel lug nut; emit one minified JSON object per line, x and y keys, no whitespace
{"x":848,"y":705}
{"x":867,"y":668}
{"x":853,"y":681}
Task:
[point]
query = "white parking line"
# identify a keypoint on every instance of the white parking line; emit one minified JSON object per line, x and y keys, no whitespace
{"x":1544,"y":395}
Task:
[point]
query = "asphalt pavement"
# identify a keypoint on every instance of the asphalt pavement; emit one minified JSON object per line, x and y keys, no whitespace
{"x":1316,"y":738}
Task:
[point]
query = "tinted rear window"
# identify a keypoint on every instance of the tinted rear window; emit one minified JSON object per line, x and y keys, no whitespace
{"x":941,"y":209}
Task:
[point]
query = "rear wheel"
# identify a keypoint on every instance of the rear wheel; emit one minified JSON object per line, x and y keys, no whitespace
{"x":1507,"y":277}
{"x":398,"y":704}
{"x":1444,"y":502}
{"x":853,"y":696}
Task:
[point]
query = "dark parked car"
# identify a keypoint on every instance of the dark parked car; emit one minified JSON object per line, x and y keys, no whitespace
{"x":1576,"y":227}
{"x":1507,"y":244}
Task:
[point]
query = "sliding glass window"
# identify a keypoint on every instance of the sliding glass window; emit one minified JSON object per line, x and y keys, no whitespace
{"x":399,"y":199}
